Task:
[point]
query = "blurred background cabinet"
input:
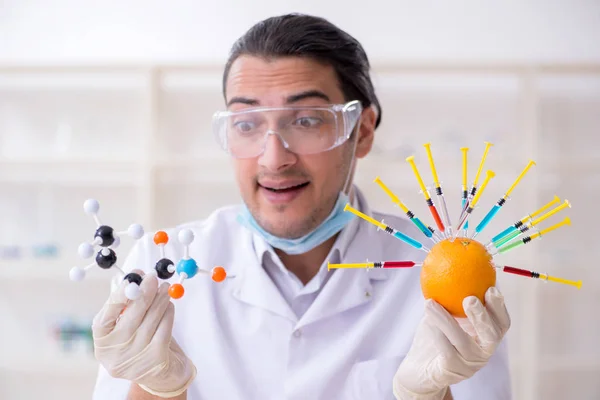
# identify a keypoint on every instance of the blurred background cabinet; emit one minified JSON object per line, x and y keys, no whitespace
{"x":139,"y":141}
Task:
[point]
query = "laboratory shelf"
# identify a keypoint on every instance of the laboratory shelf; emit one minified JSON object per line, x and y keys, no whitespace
{"x":76,"y":365}
{"x":54,"y":270}
{"x":71,"y":170}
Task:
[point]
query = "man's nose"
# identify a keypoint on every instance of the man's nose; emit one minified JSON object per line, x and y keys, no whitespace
{"x":276,"y":157}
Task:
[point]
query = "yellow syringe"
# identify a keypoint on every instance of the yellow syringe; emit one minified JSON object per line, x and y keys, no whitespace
{"x":439,"y":192}
{"x":432,"y":209}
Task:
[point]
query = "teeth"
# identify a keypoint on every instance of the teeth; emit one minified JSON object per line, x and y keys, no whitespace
{"x":286,"y":187}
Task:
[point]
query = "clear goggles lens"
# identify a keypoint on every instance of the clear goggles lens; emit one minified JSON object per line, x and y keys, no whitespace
{"x":302,"y":130}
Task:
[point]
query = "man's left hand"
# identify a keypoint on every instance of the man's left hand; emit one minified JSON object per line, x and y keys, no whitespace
{"x":443,"y":353}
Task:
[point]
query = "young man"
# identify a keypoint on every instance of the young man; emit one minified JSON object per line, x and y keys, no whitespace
{"x":301,"y":109}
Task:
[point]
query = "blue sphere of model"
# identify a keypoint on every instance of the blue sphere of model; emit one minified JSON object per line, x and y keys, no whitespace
{"x":189,"y":267}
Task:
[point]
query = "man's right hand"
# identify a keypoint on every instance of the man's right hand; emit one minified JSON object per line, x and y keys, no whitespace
{"x":132,"y":340}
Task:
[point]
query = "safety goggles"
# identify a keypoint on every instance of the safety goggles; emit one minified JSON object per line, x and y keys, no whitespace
{"x":302,"y":130}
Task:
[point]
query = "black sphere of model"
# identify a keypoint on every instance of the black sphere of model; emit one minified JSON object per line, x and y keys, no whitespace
{"x":106,"y":233}
{"x":162,"y":268}
{"x":106,"y":261}
{"x":132,"y":277}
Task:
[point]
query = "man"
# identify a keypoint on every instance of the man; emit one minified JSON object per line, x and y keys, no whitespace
{"x":301,"y":109}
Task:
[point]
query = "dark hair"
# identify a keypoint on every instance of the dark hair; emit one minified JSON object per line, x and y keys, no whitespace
{"x":313,"y":37}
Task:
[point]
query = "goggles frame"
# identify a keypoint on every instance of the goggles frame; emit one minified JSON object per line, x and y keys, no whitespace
{"x":350,"y":112}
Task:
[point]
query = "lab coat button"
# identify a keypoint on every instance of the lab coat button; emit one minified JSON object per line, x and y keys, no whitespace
{"x":297,"y":333}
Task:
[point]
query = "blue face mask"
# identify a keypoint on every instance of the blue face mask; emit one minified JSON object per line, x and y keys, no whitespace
{"x":334,"y":223}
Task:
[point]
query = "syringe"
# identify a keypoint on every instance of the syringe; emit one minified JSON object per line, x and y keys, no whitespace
{"x":537,"y":275}
{"x":474,"y":187}
{"x":524,"y":228}
{"x":492,"y":213}
{"x":388,"y":229}
{"x":432,"y":209}
{"x":427,"y":230}
{"x":527,"y":239}
{"x":376,"y":264}
{"x":439,"y":192}
{"x":465,"y":191}
{"x":471,"y":205}
{"x":524,"y":220}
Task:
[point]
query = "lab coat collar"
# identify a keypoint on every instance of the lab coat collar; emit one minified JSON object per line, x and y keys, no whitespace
{"x":345,"y":289}
{"x":338,"y":250}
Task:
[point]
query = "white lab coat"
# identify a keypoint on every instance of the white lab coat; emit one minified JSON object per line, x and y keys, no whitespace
{"x":248,"y":344}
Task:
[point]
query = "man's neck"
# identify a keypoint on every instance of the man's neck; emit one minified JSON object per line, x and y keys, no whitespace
{"x":305,"y":266}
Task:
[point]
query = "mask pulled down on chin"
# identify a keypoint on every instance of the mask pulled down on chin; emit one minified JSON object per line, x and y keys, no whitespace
{"x":335,"y":222}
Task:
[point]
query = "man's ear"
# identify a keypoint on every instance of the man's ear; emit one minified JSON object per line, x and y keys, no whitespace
{"x":366,"y":132}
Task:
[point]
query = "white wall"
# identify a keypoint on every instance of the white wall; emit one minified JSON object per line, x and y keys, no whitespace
{"x":76,"y":31}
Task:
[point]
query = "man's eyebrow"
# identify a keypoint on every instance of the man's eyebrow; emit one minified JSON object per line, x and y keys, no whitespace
{"x":243,"y":100}
{"x":289,"y":100}
{"x":306,"y":95}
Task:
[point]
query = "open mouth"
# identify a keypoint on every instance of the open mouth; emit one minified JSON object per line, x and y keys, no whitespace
{"x":286,"y":189}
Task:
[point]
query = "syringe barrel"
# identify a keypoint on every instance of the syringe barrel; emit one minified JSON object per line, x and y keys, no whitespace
{"x":421,"y":226}
{"x":407,"y":239}
{"x":436,"y":216}
{"x":489,"y":216}
{"x":507,"y":238}
{"x":398,"y":264}
{"x":463,"y":219}
{"x":510,"y":246}
{"x":444,"y":207}
{"x":464,"y":206}
{"x":517,"y":271}
{"x":504,"y":233}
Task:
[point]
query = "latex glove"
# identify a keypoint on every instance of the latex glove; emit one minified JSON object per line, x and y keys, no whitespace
{"x":443,"y":353}
{"x":137,"y":345}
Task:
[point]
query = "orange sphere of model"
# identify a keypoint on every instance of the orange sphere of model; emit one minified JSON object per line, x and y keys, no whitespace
{"x":176,"y":291}
{"x":219,"y":274}
{"x":161,"y":237}
{"x":457,"y":269}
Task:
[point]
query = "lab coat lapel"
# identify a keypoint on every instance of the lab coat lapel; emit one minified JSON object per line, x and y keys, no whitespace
{"x":254,"y":287}
{"x":349,"y":288}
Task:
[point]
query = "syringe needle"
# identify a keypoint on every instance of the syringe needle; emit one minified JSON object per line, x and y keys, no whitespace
{"x":494,"y":210}
{"x":524,"y":228}
{"x":537,"y":275}
{"x":426,"y":230}
{"x":527,"y":239}
{"x":432,"y":209}
{"x":375,"y":264}
{"x":439,"y":192}
{"x":387,"y":229}
{"x":524,"y":220}
{"x":489,"y":175}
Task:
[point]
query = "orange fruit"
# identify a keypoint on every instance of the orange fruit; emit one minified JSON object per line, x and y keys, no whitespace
{"x":457,"y":269}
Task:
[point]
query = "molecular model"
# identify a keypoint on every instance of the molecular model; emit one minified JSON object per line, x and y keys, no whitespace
{"x":107,"y":240}
{"x":186,"y":268}
{"x":457,"y":265}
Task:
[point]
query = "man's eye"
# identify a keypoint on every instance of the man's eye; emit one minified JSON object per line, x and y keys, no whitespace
{"x":244,"y":126}
{"x":307,"y":122}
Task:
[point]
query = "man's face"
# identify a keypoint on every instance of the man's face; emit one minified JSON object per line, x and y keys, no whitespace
{"x":288,"y":194}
